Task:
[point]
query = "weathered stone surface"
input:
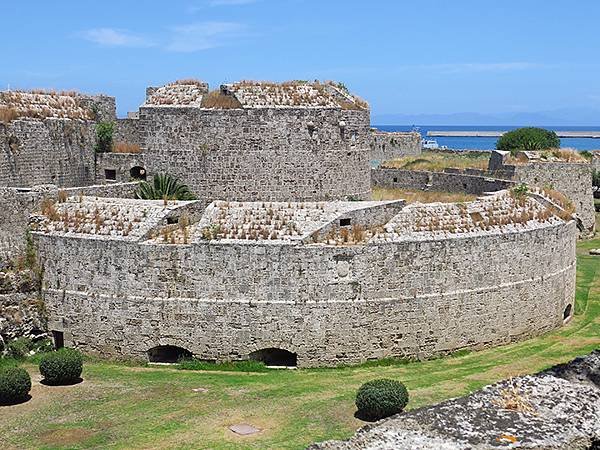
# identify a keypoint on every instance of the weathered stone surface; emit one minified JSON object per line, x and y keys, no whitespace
{"x":260,"y":154}
{"x":386,"y":145}
{"x":17,"y":204}
{"x":566,"y":415}
{"x":224,"y":297}
{"x":244,"y":429}
{"x":22,"y":313}
{"x":573,"y":179}
{"x":437,"y":181}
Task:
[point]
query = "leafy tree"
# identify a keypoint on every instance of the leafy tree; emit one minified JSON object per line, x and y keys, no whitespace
{"x":164,"y":187}
{"x":104,"y":135}
{"x":529,"y":138}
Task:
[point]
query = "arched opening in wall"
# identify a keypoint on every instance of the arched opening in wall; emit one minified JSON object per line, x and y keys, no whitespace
{"x":567,"y":313}
{"x":137,"y":173}
{"x":275,"y":357}
{"x":167,"y":354}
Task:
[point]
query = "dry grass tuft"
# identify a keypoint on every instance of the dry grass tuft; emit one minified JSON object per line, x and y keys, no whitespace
{"x":381,"y":193}
{"x":125,"y":147}
{"x":49,"y":209}
{"x":62,"y":196}
{"x":437,"y":162}
{"x":218,"y":100}
{"x":38,"y":104}
{"x":513,"y":399}
{"x":189,"y":82}
{"x":568,"y":155}
{"x":8,"y":114}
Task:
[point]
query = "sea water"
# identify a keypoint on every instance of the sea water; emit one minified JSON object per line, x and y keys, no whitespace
{"x":489,"y":143}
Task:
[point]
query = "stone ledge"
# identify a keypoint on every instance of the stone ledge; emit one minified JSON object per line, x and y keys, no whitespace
{"x":566,"y":415}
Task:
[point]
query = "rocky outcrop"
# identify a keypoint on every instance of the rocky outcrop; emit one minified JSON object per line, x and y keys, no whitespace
{"x":22,"y":313}
{"x":555,"y":409}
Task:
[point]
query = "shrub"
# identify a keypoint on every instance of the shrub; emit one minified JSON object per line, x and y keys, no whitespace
{"x":61,"y":367}
{"x":529,"y":138}
{"x":18,"y":348}
{"x":15,"y":384}
{"x":104,"y":135}
{"x":381,"y":398}
{"x":164,"y":187}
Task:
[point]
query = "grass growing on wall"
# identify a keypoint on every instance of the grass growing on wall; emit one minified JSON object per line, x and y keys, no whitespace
{"x":437,"y":162}
{"x":383,"y":193}
{"x":128,"y":406}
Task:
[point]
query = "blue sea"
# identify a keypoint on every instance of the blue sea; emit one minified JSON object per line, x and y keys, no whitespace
{"x":486,"y":143}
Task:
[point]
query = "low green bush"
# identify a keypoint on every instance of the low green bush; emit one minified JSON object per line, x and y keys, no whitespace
{"x":528,"y":138}
{"x":15,"y":384}
{"x":18,"y":348}
{"x":381,"y":398}
{"x":63,"y":366}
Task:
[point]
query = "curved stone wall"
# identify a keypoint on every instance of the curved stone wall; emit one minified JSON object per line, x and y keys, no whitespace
{"x":262,"y":154}
{"x":327,"y":304}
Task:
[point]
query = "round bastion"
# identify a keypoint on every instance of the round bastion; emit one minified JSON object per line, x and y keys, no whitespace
{"x":303,"y":283}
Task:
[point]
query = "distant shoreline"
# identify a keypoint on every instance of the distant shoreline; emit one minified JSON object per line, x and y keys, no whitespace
{"x":463,"y":133}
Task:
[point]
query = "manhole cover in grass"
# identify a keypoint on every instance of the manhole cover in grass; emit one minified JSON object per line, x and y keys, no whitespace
{"x":243,"y":429}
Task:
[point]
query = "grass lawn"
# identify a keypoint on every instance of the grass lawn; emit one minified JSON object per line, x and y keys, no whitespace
{"x":121,"y":406}
{"x":437,"y":162}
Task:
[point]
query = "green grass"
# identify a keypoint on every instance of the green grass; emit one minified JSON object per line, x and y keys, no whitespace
{"x":124,"y":406}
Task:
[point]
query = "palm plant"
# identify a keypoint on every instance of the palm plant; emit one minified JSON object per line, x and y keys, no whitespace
{"x":164,"y":187}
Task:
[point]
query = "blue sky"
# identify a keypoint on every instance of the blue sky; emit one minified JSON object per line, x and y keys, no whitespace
{"x":410,"y":57}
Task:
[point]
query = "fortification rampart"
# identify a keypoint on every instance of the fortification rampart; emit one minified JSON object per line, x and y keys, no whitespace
{"x":120,"y":167}
{"x":50,"y":151}
{"x":437,"y":181}
{"x":260,"y":153}
{"x":387,"y":145}
{"x":17,"y":204}
{"x":416,"y":294}
{"x":127,"y":131}
{"x":573,"y":179}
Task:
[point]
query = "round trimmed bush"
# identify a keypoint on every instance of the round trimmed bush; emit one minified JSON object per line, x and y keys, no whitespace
{"x":63,"y":366}
{"x":381,"y":398}
{"x":15,"y":384}
{"x":528,"y":138}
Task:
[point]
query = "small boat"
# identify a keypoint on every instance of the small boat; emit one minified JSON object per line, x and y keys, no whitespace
{"x":431,"y":144}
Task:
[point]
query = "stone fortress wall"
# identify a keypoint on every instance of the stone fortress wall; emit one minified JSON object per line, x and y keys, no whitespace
{"x":243,"y":154}
{"x":51,"y":137}
{"x":271,"y":142}
{"x":403,"y":292}
{"x":476,"y":184}
{"x":16,"y":205}
{"x":387,"y":145}
{"x":50,"y":151}
{"x":573,"y":179}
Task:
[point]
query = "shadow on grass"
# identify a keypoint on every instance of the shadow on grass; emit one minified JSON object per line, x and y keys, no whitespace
{"x":361,"y":415}
{"x":17,"y":402}
{"x":66,"y":383}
